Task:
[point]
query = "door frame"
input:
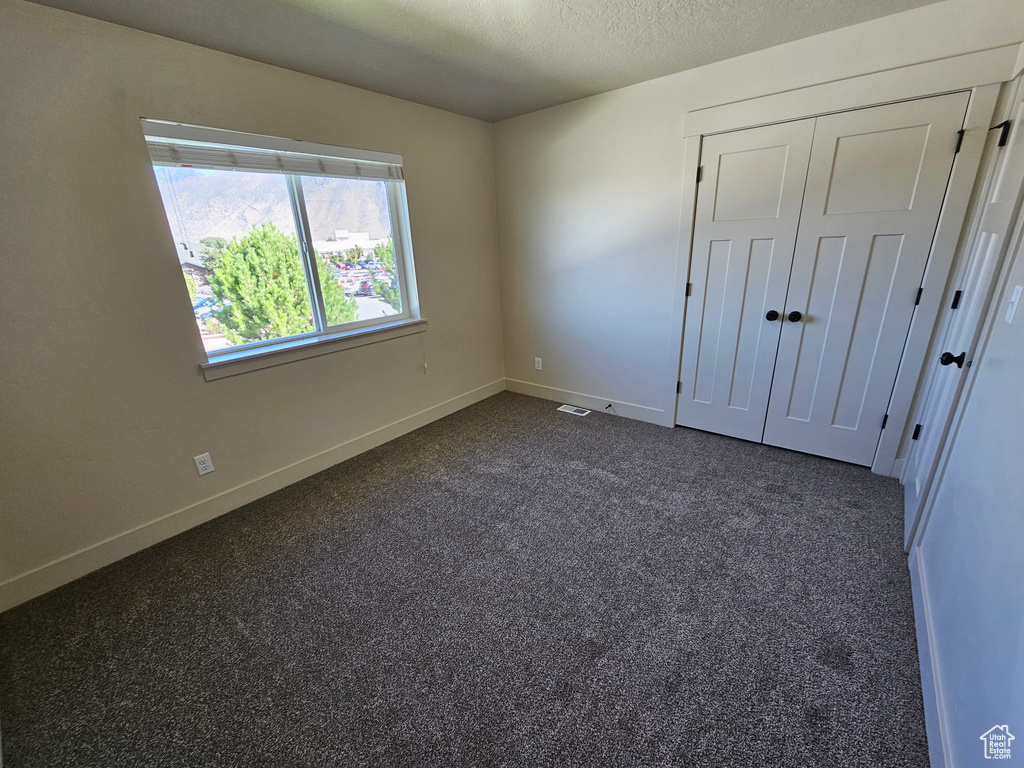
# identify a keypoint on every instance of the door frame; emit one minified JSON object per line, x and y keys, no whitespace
{"x":982,"y":74}
{"x":943,"y":421}
{"x":993,"y":314}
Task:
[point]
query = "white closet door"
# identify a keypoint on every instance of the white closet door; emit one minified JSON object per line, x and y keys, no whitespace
{"x":974,"y":281}
{"x":748,"y":209}
{"x":875,"y":185}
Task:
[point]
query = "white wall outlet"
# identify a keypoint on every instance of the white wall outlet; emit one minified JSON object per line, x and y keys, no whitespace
{"x":538,"y":364}
{"x":203,"y":463}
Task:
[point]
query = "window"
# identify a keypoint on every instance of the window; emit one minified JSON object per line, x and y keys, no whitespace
{"x":284,"y":244}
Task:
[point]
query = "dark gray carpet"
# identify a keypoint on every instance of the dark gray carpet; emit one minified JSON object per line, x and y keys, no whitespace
{"x":508,"y":586}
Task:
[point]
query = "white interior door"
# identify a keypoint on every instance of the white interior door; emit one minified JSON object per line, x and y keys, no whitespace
{"x":875,"y":185}
{"x":748,"y":210}
{"x":974,"y":281}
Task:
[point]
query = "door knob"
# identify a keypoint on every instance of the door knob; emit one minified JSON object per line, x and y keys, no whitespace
{"x":794,"y":316}
{"x":772,"y":315}
{"x":947,"y":357}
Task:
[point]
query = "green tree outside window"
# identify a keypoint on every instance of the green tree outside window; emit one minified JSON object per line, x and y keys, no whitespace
{"x":261,"y":289}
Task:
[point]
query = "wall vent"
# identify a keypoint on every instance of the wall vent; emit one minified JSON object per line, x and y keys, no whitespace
{"x":573,"y":410}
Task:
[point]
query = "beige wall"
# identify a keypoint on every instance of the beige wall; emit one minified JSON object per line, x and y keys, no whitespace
{"x":102,"y":404}
{"x":590,"y":200}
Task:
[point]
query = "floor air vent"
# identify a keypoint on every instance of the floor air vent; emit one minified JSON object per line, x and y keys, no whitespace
{"x":573,"y":410}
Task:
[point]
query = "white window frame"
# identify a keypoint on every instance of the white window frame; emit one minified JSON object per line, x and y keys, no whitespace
{"x":181,"y":145}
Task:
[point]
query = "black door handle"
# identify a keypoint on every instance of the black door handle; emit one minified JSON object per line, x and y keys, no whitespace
{"x":947,"y":357}
{"x":772,"y":315}
{"x":794,"y":316}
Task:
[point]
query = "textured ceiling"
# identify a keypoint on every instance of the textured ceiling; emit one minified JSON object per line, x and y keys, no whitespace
{"x":490,"y":59}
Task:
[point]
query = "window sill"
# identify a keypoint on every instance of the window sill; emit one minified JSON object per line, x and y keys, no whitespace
{"x":232,"y":364}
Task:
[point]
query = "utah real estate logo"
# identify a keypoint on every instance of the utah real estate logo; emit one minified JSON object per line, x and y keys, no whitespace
{"x":997,"y":742}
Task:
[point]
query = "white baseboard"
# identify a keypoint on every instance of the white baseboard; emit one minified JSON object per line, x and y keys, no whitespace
{"x":39,"y":580}
{"x":897,"y":468}
{"x":619,"y":408}
{"x":930,"y":687}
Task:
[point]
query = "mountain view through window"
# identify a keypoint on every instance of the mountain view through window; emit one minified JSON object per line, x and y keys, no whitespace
{"x":238,"y":247}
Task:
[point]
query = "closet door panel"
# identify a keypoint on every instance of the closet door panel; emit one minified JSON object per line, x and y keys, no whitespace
{"x":875,"y":185}
{"x":748,"y":210}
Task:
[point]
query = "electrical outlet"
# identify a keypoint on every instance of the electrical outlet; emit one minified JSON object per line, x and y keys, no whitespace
{"x":538,"y":364}
{"x":203,"y":463}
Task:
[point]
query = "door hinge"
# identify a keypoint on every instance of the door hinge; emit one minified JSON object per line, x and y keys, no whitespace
{"x":689,"y":288}
{"x":956,"y":299}
{"x":1004,"y":132}
{"x":679,"y":387}
{"x":700,"y":173}
{"x":885,"y":419}
{"x":959,"y":141}
{"x":918,"y":299}
{"x":917,"y":432}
